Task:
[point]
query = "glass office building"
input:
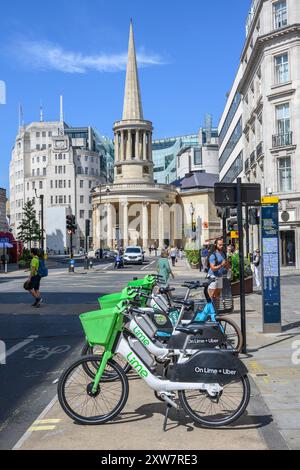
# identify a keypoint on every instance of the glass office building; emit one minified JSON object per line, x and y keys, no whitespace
{"x":165,"y":153}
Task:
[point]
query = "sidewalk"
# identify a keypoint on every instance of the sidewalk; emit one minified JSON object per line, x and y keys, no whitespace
{"x":270,"y":361}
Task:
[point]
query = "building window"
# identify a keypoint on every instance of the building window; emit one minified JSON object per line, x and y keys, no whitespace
{"x":44,"y":158}
{"x":51,"y":199}
{"x":86,"y":170}
{"x":33,"y":185}
{"x":69,"y":183}
{"x":38,"y":134}
{"x":70,"y":199}
{"x":33,"y":172}
{"x":281,"y":68}
{"x":81,"y":214}
{"x":44,"y":171}
{"x":284,"y":175}
{"x":197,"y":157}
{"x":41,"y":184}
{"x":233,"y":140}
{"x":81,"y":184}
{"x":90,"y":214}
{"x":27,"y":186}
{"x":60,"y":200}
{"x":65,"y":199}
{"x":81,"y":199}
{"x":51,"y":184}
{"x":90,"y":199}
{"x":50,"y":133}
{"x":60,"y":184}
{"x":280,"y":14}
{"x":283,"y":122}
{"x":90,"y":184}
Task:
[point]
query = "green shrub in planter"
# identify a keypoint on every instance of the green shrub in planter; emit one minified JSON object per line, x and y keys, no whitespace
{"x":192,"y":256}
{"x":235,"y":260}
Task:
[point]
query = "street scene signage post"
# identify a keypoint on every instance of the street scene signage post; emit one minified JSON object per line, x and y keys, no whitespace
{"x":271,"y":297}
{"x":238,"y":195}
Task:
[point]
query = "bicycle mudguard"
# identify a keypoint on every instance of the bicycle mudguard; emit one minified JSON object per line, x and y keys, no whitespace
{"x":208,"y":366}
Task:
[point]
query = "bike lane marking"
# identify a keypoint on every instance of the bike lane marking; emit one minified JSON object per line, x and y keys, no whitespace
{"x":17,"y":347}
{"x":147,"y":265}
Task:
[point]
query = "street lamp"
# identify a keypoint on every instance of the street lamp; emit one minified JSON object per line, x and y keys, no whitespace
{"x":41,"y":197}
{"x":192,"y":212}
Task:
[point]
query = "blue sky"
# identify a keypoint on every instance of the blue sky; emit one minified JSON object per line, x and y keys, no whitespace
{"x":188,"y":54}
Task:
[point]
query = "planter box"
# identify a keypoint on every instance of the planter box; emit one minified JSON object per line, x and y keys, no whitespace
{"x":235,"y":286}
{"x":194,"y":266}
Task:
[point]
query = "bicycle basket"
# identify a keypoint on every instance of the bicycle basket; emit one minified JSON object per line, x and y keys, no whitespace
{"x":109,"y":300}
{"x":99,"y":325}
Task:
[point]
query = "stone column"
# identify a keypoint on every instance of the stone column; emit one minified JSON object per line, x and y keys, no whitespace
{"x":109,"y":225}
{"x":144,"y":146}
{"x":116,"y":147}
{"x":122,"y":153}
{"x":128,"y":150}
{"x":137,"y":145}
{"x":145,"y":225}
{"x":150,"y":146}
{"x":125,"y":224}
{"x":161,"y":225}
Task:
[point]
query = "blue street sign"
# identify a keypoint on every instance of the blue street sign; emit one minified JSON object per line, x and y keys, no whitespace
{"x":4,"y":240}
{"x":270,"y":266}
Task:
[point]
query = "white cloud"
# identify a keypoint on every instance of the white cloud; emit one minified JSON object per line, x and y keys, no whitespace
{"x":48,"y":56}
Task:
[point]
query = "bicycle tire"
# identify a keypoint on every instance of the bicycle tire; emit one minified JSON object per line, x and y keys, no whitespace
{"x":238,"y":347}
{"x":99,"y":419}
{"x":218,"y":423}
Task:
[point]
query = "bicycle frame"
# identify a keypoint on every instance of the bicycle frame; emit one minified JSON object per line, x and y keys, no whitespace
{"x":155,"y":383}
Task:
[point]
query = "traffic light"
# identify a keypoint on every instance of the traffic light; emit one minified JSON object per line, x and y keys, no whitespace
{"x":87,"y":227}
{"x":232,"y":222}
{"x":253,"y":216}
{"x":71,"y":223}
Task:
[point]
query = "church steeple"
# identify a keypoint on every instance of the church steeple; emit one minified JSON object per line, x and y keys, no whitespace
{"x":133,"y":135}
{"x":132,"y":98}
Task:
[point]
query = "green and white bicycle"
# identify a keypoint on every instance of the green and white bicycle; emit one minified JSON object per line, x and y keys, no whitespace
{"x":212,"y":385}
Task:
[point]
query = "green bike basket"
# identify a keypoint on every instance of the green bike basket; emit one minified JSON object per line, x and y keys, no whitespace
{"x":110,"y":300}
{"x":99,"y":325}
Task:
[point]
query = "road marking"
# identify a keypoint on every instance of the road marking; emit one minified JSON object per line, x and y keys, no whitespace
{"x":258,"y":370}
{"x":47,"y":421}
{"x":17,"y":346}
{"x":106,"y":267}
{"x":28,"y":433}
{"x":42,"y":428}
{"x":147,"y":265}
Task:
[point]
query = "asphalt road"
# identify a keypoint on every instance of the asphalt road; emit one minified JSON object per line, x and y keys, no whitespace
{"x":40,"y":342}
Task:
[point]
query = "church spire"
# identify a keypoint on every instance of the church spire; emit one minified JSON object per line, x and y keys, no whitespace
{"x":132,"y":98}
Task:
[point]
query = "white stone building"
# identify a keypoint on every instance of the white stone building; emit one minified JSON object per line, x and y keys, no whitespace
{"x":260,"y":127}
{"x":3,"y":217}
{"x":63,"y":164}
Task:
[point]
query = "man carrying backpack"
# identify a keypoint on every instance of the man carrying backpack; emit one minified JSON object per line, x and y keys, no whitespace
{"x":37,"y":271}
{"x":218,"y":266}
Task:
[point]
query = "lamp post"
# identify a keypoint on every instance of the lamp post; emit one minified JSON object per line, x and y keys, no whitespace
{"x":192,"y":212}
{"x":41,"y":198}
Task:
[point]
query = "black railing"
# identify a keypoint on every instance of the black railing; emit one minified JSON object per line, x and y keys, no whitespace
{"x":282,"y":140}
{"x":252,"y":158}
{"x":259,"y":150}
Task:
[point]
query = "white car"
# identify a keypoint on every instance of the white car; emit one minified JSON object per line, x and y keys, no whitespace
{"x":133,"y":255}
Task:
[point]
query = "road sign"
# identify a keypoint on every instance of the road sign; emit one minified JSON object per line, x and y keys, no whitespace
{"x":4,"y":240}
{"x":226,"y":194}
{"x":271,"y":297}
{"x":234,"y":234}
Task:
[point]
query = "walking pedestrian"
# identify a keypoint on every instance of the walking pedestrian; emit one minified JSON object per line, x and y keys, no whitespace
{"x":218,"y":266}
{"x":164,"y":269}
{"x":35,"y":278}
{"x":257,"y":268}
{"x":173,"y":254}
{"x":204,"y":258}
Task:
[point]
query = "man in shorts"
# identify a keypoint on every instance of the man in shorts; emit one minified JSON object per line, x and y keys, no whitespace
{"x":35,"y":278}
{"x":218,"y":266}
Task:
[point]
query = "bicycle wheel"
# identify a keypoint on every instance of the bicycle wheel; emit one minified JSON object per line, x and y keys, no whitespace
{"x":88,"y":350}
{"x":220,"y":410}
{"x":233,"y":334}
{"x":81,"y":404}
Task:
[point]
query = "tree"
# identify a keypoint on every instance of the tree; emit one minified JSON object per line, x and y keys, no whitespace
{"x":29,"y":229}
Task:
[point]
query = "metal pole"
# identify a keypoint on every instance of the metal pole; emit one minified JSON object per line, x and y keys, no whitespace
{"x":224,"y":228}
{"x":247,"y":232}
{"x":241,"y":263}
{"x":42,"y":220}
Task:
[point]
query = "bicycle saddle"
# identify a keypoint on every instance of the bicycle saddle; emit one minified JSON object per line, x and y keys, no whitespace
{"x":165,"y":290}
{"x":191,"y":329}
